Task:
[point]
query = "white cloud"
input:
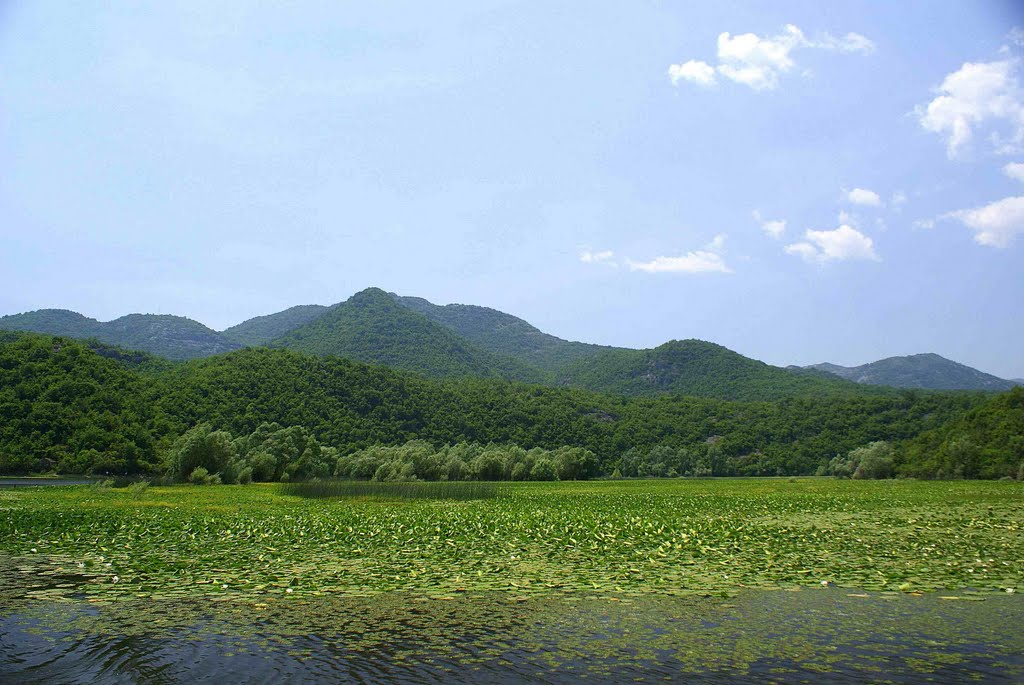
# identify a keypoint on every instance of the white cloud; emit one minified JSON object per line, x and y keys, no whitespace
{"x":717,"y":243}
{"x":1016,"y":36}
{"x":772,"y":228}
{"x":863,"y":196}
{"x":1014,"y":170}
{"x":926,"y":224}
{"x":899,"y":198}
{"x":701,"y":73}
{"x":700,"y":261}
{"x":837,"y":245}
{"x":995,"y":224}
{"x":846,"y":217}
{"x":757,"y":61}
{"x":978,"y":93}
{"x":602,"y":257}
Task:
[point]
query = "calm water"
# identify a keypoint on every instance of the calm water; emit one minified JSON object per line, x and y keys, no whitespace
{"x":760,"y":636}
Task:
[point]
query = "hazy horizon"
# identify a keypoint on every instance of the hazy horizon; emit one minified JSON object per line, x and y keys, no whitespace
{"x":798,"y":183}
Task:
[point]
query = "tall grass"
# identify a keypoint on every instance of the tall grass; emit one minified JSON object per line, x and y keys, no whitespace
{"x":361,"y":489}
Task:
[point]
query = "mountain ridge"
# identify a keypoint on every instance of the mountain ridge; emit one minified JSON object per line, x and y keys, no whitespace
{"x":918,"y":371}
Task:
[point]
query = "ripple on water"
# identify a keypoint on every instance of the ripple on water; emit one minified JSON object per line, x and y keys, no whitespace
{"x":759,"y":636}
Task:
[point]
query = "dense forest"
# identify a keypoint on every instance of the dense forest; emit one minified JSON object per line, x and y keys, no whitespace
{"x":76,"y":407}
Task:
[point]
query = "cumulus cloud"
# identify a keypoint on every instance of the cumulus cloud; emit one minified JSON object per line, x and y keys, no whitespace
{"x":840,"y":244}
{"x":899,"y":198}
{"x":697,"y":262}
{"x":863,"y":196}
{"x":995,"y":224}
{"x":925,"y":224}
{"x":976,"y":95}
{"x":699,"y":72}
{"x":602,"y":257}
{"x":772,"y":228}
{"x":717,"y":243}
{"x":759,"y":62}
{"x":1014,"y":170}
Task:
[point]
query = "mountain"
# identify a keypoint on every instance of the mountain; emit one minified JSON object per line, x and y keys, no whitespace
{"x":918,"y":371}
{"x":372,"y":327}
{"x":504,"y":334}
{"x":696,"y":367}
{"x":261,"y":330}
{"x":73,"y":409}
{"x":171,"y":337}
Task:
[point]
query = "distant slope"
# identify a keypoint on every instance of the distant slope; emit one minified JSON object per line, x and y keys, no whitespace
{"x":261,"y":330}
{"x":919,"y":371}
{"x":502,"y":333}
{"x":695,"y":367}
{"x":172,"y":337}
{"x":372,"y":327}
{"x":985,"y":442}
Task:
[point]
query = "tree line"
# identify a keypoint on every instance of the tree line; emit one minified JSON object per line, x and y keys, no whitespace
{"x":68,"y":408}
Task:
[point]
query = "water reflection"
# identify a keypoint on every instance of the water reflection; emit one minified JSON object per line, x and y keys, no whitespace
{"x":774,"y":636}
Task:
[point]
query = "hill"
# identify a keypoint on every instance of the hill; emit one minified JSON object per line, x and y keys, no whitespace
{"x":261,"y":330}
{"x":919,"y":371}
{"x":503,"y":333}
{"x":372,"y":327}
{"x":171,"y":337}
{"x":696,"y":367}
{"x":986,"y":442}
{"x":63,"y":403}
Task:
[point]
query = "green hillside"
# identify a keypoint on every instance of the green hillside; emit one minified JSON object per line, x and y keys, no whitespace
{"x":919,"y":371}
{"x":704,"y":369}
{"x":503,"y":333}
{"x":986,"y":442}
{"x":66,"y":405}
{"x":171,"y":337}
{"x":261,"y":330}
{"x":372,"y":327}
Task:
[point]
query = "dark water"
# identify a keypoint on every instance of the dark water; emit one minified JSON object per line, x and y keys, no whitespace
{"x":22,"y":482}
{"x":812,"y":635}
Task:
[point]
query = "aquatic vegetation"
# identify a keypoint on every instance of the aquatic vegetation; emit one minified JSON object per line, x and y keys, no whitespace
{"x":609,"y":538}
{"x":436,"y":490}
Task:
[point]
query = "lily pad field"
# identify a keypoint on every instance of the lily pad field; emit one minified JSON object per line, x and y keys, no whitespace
{"x":702,"y":552}
{"x":625,"y":537}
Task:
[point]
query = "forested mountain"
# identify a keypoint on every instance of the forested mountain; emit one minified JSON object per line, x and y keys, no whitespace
{"x":66,"y":406}
{"x":261,"y":330}
{"x":372,"y":327}
{"x":986,"y":442}
{"x":172,"y":337}
{"x":918,"y":371}
{"x":455,"y":340}
{"x":695,"y":367}
{"x":503,"y":333}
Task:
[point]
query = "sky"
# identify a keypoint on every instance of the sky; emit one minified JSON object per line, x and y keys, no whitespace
{"x":800,"y":182}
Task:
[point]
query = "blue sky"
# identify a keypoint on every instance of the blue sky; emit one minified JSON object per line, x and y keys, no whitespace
{"x":611,"y":172}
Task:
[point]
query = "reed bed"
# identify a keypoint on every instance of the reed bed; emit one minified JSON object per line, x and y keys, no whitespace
{"x":374,"y":490}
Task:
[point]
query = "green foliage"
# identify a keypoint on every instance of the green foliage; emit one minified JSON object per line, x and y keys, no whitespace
{"x":695,"y":367}
{"x":872,"y":461}
{"x":200,"y":476}
{"x":919,"y":371}
{"x":607,"y":538}
{"x":985,"y":442}
{"x":261,"y":330}
{"x":172,"y":337}
{"x":200,"y":448}
{"x":504,"y":334}
{"x":371,"y":327}
{"x":67,"y":408}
